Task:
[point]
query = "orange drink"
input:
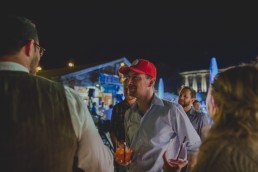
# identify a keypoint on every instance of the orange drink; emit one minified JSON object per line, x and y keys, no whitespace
{"x":123,"y":155}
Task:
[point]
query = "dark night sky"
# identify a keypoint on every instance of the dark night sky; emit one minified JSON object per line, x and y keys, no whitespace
{"x":174,"y":38}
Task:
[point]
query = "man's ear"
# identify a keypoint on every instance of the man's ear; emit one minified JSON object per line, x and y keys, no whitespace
{"x":192,"y":100}
{"x":152,"y":82}
{"x":29,"y":48}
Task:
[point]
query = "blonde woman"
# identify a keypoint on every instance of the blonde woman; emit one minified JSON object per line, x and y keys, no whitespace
{"x":232,"y":142}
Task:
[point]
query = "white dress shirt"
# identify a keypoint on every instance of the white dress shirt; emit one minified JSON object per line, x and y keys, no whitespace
{"x":93,"y":155}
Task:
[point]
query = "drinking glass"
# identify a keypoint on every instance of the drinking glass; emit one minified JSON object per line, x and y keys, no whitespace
{"x":123,"y":154}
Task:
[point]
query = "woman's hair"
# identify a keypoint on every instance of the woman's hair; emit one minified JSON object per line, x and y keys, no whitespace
{"x":232,"y":142}
{"x":235,"y":96}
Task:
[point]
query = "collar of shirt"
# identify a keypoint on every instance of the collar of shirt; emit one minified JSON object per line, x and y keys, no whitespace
{"x":12,"y":66}
{"x":126,"y":103}
{"x":155,"y":101}
{"x":191,"y":111}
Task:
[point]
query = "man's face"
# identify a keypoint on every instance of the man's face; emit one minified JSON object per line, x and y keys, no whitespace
{"x":197,"y":106}
{"x":126,"y":91}
{"x":138,"y":84}
{"x":185,"y":99}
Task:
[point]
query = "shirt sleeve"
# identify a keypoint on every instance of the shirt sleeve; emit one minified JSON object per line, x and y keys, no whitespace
{"x":183,"y":127}
{"x":92,"y":154}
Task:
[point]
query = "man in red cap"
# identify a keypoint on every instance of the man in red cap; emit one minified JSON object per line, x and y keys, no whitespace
{"x":153,"y":125}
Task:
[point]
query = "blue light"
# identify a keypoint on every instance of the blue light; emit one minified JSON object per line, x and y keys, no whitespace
{"x":161,"y":89}
{"x":213,"y":69}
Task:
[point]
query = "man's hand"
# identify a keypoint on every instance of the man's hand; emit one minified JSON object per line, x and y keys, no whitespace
{"x":173,"y":165}
{"x":123,"y":154}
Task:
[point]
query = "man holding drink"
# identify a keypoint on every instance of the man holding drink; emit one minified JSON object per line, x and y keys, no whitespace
{"x":153,"y":125}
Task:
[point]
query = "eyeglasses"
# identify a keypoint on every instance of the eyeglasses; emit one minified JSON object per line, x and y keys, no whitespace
{"x":41,"y":49}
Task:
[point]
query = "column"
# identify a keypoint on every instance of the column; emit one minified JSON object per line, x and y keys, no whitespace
{"x":204,"y":83}
{"x":195,"y":83}
{"x":186,"y":80}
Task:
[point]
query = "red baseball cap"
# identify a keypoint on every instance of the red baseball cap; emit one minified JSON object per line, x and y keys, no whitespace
{"x":140,"y":66}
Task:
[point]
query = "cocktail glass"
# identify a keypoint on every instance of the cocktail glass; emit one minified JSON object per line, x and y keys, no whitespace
{"x":123,"y":154}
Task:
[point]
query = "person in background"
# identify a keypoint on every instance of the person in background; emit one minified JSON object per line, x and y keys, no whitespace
{"x":232,"y":142}
{"x":196,"y":105}
{"x":44,"y":125}
{"x":117,"y":129}
{"x":198,"y":119}
{"x":108,"y":117}
{"x":153,"y":125}
{"x":96,"y":116}
{"x":94,"y":110}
